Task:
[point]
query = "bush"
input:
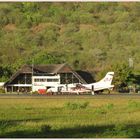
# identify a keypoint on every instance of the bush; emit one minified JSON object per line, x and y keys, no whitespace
{"x":104,"y":109}
{"x":120,"y":129}
{"x":2,"y":90}
{"x":35,"y":92}
{"x":133,"y":104}
{"x":46,"y":128}
{"x":99,"y":111}
{"x":74,"y":106}
{"x":110,"y":106}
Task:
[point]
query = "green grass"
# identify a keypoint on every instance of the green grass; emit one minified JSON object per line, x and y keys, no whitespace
{"x":77,"y":117}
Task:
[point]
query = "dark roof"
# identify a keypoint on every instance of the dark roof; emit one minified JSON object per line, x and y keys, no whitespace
{"x":52,"y":68}
{"x":49,"y":68}
{"x":86,"y":76}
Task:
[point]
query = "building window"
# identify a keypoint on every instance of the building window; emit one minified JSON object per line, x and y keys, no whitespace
{"x":46,"y":80}
{"x":52,"y":80}
{"x":36,"y":80}
{"x":68,"y":78}
{"x":40,"y":80}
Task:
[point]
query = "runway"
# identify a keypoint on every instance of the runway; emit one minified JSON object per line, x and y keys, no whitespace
{"x":38,"y":96}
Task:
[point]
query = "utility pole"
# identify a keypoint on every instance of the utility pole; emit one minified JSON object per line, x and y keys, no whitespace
{"x":32,"y":67}
{"x":32,"y":73}
{"x":131,"y":65}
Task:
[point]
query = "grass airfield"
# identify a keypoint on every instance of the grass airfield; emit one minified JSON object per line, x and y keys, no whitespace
{"x":101,"y":116}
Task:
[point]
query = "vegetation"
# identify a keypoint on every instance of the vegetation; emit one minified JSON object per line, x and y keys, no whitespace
{"x":92,"y":36}
{"x":73,"y":106}
{"x":102,"y":117}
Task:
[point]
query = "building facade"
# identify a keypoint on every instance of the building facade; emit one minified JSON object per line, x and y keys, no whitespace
{"x":34,"y":78}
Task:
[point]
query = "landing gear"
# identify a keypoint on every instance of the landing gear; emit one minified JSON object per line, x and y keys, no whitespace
{"x":108,"y":91}
{"x":92,"y":90}
{"x":92,"y":93}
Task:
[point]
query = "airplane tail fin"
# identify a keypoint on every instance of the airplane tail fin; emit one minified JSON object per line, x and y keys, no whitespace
{"x":107,"y":80}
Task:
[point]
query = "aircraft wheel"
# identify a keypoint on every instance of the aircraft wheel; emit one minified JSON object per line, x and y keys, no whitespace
{"x":108,"y":91}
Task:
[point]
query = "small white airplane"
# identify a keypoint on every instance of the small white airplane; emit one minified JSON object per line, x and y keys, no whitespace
{"x":97,"y":87}
{"x":103,"y":84}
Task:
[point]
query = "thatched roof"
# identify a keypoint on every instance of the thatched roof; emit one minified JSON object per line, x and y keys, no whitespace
{"x":86,"y":76}
{"x":49,"y":68}
{"x":52,"y":68}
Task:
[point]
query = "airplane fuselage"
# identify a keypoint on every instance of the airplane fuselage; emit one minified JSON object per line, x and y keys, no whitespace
{"x":103,"y":84}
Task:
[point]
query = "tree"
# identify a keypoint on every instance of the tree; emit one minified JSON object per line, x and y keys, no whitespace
{"x":123,"y":75}
{"x":5,"y":73}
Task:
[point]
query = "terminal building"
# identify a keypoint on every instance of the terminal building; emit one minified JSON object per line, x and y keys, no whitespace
{"x":42,"y":77}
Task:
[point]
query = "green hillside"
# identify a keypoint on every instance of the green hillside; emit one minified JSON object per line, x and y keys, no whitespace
{"x":95,"y":37}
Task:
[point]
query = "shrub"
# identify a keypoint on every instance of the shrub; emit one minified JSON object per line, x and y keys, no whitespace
{"x":46,"y":128}
{"x":2,"y":90}
{"x":120,"y":129}
{"x":100,"y":111}
{"x":133,"y":104}
{"x":76,"y":105}
{"x":35,"y":92}
{"x":110,"y":106}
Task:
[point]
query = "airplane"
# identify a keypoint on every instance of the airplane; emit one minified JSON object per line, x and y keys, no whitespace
{"x":78,"y":88}
{"x":103,"y":84}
